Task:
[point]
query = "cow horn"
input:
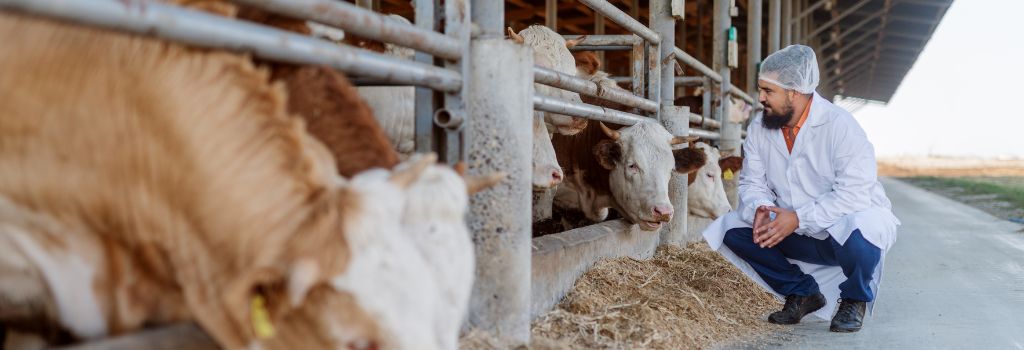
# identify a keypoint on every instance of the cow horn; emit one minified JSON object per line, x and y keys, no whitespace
{"x":515,"y":37}
{"x":403,"y":178}
{"x":682,"y":139}
{"x":571,"y":43}
{"x":476,"y":184}
{"x":614,"y":134}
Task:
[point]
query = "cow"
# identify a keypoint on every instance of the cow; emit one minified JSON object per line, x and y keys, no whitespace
{"x":551,"y":50}
{"x":143,"y":183}
{"x":588,"y":67}
{"x":332,"y":108}
{"x":394,"y":108}
{"x":626,"y":169}
{"x":706,"y":198}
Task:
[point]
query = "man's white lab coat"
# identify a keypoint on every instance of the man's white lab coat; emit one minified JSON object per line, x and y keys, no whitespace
{"x":830,"y":180}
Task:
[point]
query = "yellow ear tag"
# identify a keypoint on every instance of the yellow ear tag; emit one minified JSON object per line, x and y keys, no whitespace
{"x":727,"y":174}
{"x":260,"y":317}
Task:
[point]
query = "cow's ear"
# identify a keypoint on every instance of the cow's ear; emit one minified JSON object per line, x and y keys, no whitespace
{"x":608,"y":152}
{"x":689,"y":160}
{"x":731,"y":163}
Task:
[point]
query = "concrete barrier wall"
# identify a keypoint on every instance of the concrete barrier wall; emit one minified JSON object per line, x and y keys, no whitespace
{"x":560,"y":259}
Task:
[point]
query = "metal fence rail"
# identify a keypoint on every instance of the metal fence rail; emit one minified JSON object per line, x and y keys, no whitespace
{"x":211,"y":31}
{"x":568,"y":82}
{"x":623,"y":19}
{"x":363,"y":22}
{"x":582,"y":110}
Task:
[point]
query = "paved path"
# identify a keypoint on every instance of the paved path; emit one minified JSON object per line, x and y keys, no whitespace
{"x":954,"y":280}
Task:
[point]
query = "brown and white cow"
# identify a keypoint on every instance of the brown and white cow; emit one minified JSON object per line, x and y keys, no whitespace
{"x":626,"y":169}
{"x":551,"y":50}
{"x":706,"y":197}
{"x":588,"y":66}
{"x":143,"y":182}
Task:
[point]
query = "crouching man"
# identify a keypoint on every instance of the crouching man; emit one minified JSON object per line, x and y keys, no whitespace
{"x":813,"y":224}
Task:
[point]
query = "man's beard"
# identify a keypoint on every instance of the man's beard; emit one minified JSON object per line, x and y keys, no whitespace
{"x":774,"y":120}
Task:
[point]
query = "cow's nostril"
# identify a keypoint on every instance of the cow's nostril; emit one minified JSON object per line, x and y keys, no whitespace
{"x":556,"y":176}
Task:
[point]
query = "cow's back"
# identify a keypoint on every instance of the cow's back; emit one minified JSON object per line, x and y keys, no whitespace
{"x":148,"y":142}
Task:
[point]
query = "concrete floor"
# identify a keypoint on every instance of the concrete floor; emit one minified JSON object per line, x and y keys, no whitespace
{"x":953,"y":280}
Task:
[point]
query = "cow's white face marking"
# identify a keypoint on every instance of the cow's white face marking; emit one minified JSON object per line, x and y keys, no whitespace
{"x":434,"y":220}
{"x":546,"y":171}
{"x":412,"y":263}
{"x":639,"y":180}
{"x":69,"y":278}
{"x":706,"y":195}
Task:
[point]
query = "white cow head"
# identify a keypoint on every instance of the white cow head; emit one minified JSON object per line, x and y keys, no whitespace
{"x":739,"y":110}
{"x":641,"y":160}
{"x":551,"y":51}
{"x":546,"y":171}
{"x":706,"y":194}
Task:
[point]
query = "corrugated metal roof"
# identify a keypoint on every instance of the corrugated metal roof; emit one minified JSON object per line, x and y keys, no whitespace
{"x":868,"y":53}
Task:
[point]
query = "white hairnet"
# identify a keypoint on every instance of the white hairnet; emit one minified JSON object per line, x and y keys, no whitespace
{"x":794,"y":67}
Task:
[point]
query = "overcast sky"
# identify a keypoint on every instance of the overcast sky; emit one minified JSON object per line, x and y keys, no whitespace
{"x":965,"y":94}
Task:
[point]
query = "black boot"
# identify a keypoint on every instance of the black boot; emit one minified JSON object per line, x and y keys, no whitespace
{"x":796,"y":307}
{"x":850,"y":316}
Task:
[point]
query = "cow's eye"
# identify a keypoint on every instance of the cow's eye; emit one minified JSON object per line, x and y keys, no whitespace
{"x":634,"y":167}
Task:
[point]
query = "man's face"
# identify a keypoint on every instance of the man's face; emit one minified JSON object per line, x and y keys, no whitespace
{"x":778,"y":104}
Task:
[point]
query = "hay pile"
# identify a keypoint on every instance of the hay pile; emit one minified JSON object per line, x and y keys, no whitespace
{"x":682,"y":298}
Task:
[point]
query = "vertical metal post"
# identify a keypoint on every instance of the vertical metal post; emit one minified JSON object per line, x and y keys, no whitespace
{"x":367,"y":4}
{"x":774,"y":21}
{"x":662,"y":22}
{"x":654,"y":75}
{"x":787,"y":23}
{"x":730,"y":131}
{"x":730,"y":141}
{"x":754,"y":19}
{"x":706,"y":98}
{"x":599,"y":30}
{"x":458,"y":26}
{"x":637,"y":58}
{"x":424,"y":131}
{"x":489,"y":16}
{"x":551,"y":14}
{"x":499,"y":137}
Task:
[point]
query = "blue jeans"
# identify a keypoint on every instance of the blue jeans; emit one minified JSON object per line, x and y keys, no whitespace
{"x":858,"y":259}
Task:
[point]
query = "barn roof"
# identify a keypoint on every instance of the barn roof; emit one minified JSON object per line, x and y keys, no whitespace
{"x":866,"y":47}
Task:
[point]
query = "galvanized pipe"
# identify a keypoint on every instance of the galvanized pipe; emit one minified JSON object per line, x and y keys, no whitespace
{"x":704,"y":134}
{"x":787,"y":23}
{"x":623,"y":19}
{"x":730,"y":131}
{"x":489,"y":16}
{"x":679,"y":81}
{"x":579,"y":85}
{"x":605,"y":40}
{"x":690,"y":61}
{"x":206,"y":30}
{"x":601,"y":48}
{"x":704,"y":122}
{"x":735,"y":91}
{"x":754,"y":42}
{"x":364,"y":23}
{"x":774,"y":25}
{"x":582,"y":110}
